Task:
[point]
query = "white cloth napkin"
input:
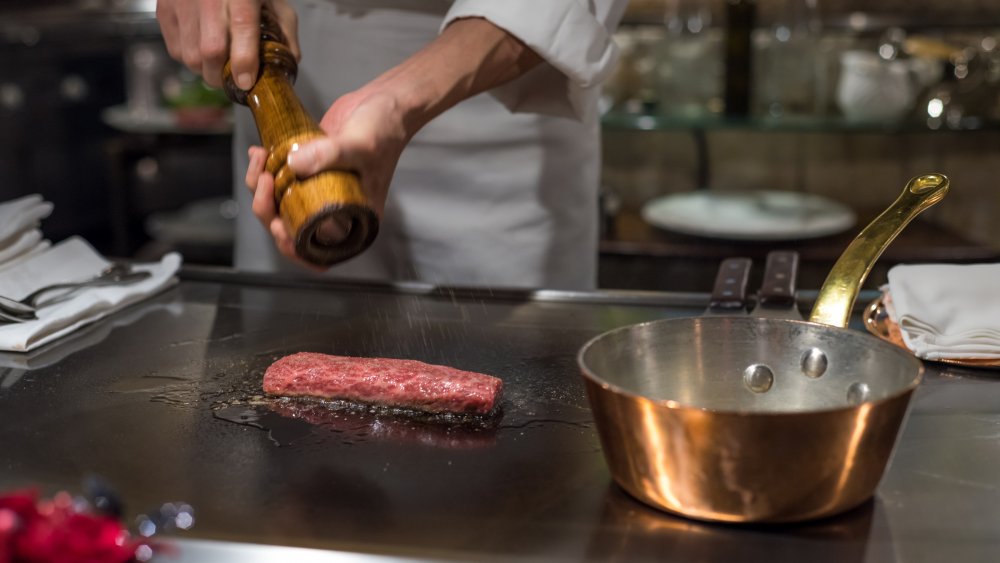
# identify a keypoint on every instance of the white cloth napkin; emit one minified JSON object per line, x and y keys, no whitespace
{"x":19,"y":232}
{"x":72,"y":260}
{"x":21,"y":244}
{"x":947,"y":311}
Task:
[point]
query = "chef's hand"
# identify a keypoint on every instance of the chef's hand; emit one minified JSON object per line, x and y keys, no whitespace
{"x":366,"y":130}
{"x":203,"y":34}
{"x":365,"y":135}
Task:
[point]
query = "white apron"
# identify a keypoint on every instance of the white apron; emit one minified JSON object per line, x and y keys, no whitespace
{"x":481,"y":196}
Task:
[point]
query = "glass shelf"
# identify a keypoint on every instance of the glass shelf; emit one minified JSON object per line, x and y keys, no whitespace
{"x":805,"y":124}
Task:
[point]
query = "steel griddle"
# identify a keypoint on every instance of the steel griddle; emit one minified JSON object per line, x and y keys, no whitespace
{"x":131,"y":399}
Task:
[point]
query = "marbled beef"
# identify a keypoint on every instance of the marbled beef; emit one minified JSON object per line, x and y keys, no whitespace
{"x":383,"y":381}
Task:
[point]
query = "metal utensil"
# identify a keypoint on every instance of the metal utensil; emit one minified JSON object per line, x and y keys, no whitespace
{"x":6,"y":317}
{"x":744,"y":419}
{"x":19,"y":310}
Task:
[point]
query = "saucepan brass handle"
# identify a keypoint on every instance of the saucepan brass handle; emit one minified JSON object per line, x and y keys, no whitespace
{"x":282,"y":122}
{"x":839,"y":291}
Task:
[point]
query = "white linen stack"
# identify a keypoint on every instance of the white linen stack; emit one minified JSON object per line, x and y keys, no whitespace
{"x":20,"y":234}
{"x":947,"y":311}
{"x":28,"y":262}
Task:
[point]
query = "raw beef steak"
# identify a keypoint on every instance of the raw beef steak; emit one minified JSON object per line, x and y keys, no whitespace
{"x":383,"y":381}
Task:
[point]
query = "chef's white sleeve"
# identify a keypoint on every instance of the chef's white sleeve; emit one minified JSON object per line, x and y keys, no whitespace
{"x":574,"y":37}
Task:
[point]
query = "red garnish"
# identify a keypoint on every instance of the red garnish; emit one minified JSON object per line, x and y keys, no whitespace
{"x":34,"y":530}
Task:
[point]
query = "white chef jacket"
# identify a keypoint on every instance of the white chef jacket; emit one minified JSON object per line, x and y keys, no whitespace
{"x":500,"y":190}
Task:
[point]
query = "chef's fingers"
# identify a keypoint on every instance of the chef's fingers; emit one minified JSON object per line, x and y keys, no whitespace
{"x":166,"y":15}
{"x":322,"y":154}
{"x":188,"y":19}
{"x":263,"y":199}
{"x":266,"y":211}
{"x":258,"y":156}
{"x":281,"y":239}
{"x":214,"y":41}
{"x":244,"y":22}
{"x":289,"y":22}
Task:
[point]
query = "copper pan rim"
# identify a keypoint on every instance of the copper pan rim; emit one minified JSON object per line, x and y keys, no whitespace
{"x":916,"y":367}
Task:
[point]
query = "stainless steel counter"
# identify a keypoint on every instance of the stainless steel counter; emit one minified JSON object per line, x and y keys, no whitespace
{"x":152,"y":400}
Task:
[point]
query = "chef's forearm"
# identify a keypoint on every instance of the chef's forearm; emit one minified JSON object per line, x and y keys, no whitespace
{"x":469,"y":57}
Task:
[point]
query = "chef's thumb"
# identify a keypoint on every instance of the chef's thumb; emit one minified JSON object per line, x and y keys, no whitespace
{"x":244,"y":21}
{"x":322,"y":154}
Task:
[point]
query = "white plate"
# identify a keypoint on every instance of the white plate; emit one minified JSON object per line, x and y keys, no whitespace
{"x":160,"y":121}
{"x":751,"y":215}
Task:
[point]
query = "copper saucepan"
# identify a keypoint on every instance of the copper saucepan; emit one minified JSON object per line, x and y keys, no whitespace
{"x":749,"y":419}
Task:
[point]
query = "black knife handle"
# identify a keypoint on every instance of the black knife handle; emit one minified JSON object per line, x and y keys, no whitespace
{"x":729,"y":296}
{"x":780,"y":272}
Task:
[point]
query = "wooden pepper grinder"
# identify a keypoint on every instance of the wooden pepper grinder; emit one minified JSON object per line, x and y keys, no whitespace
{"x":282,"y":122}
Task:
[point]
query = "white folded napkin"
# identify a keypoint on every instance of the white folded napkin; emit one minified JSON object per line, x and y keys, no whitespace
{"x":947,"y":311}
{"x":72,"y":260}
{"x":21,"y":214}
{"x":20,"y":244}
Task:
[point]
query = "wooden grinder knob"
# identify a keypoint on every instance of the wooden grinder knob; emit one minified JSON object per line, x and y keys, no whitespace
{"x":282,"y":122}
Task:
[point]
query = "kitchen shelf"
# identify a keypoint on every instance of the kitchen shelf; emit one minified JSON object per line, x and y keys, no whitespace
{"x":700,"y":127}
{"x":621,"y":120}
{"x":860,"y":23}
{"x":163,"y":121}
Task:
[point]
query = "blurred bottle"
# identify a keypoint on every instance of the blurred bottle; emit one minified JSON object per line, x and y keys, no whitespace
{"x":688,"y":69}
{"x":791,"y":69}
{"x":873,"y":88}
{"x":741,"y":18}
{"x":145,"y":65}
{"x":964,"y":93}
{"x":632,"y":87}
